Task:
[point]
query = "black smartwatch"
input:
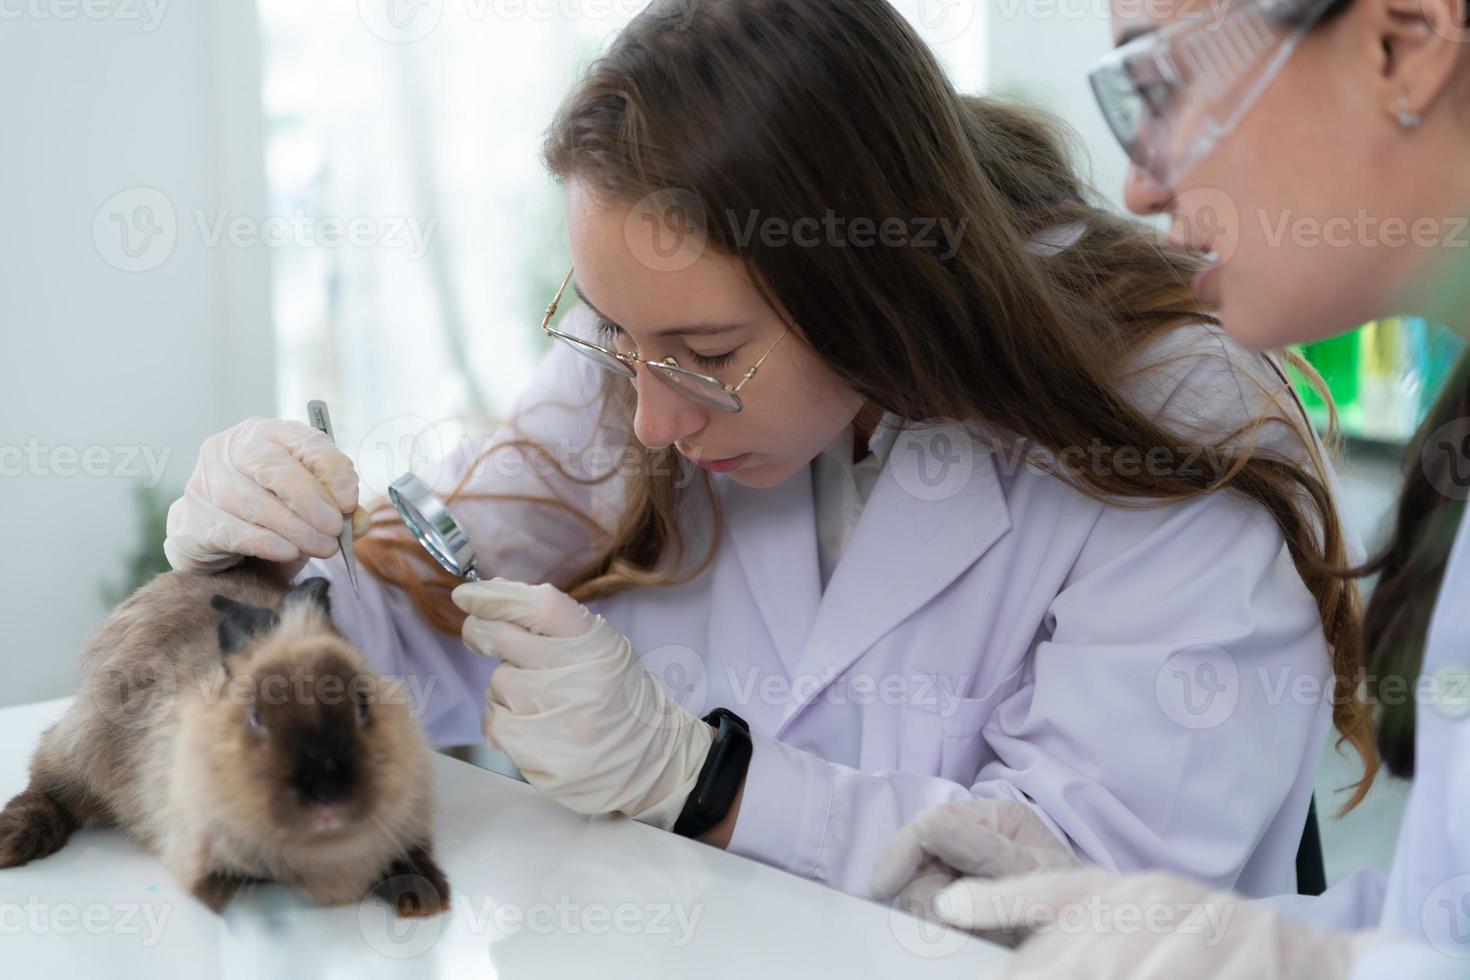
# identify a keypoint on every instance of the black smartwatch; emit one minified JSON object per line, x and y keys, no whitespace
{"x":720,"y":776}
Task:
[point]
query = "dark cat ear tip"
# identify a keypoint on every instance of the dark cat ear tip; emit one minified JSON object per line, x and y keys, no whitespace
{"x":239,"y":621}
{"x":315,"y":590}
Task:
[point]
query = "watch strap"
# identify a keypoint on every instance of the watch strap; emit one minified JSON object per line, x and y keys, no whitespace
{"x":720,"y":777}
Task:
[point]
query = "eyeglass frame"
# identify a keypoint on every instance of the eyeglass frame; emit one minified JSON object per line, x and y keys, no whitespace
{"x":1202,"y":147}
{"x":631,"y":361}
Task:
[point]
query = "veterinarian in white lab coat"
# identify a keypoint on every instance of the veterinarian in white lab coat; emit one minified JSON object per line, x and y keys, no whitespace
{"x":945,"y":618}
{"x":1336,"y":85}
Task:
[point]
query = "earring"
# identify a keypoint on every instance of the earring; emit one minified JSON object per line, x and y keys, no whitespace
{"x":1407,"y":119}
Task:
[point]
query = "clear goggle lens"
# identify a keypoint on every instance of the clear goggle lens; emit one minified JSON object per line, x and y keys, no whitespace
{"x":1172,"y":95}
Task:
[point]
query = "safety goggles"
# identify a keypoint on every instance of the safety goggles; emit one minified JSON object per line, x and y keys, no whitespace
{"x":1172,"y":95}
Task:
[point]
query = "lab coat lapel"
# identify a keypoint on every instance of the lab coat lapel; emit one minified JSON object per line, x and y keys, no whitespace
{"x":935,"y":509}
{"x":774,"y":534}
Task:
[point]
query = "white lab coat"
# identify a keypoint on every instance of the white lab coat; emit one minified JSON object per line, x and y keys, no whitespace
{"x":1426,"y":898}
{"x":989,"y":632}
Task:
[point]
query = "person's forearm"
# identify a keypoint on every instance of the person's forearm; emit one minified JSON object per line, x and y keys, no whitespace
{"x":719,"y":835}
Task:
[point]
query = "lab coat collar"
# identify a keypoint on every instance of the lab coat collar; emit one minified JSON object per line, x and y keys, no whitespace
{"x":883,"y":436}
{"x":880,"y":442}
{"x":936,"y":508}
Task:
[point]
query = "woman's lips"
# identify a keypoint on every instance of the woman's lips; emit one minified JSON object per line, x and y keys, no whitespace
{"x":1205,"y":283}
{"x":724,"y":465}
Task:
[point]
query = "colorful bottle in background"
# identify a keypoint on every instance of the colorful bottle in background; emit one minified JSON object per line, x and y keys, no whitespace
{"x":1383,"y":377}
{"x":1336,"y":360}
{"x":1388,"y":383}
{"x":1433,"y":351}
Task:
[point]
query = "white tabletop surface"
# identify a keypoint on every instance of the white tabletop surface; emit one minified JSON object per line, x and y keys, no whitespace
{"x":538,"y":891}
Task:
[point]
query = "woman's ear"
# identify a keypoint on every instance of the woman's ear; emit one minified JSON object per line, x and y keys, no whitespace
{"x":1422,"y":47}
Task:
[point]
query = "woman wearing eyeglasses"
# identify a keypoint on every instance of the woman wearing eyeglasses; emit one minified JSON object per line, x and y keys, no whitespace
{"x":871,"y":469}
{"x":1337,"y":131}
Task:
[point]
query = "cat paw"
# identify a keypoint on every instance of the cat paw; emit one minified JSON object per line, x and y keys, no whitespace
{"x":414,"y":885}
{"x":216,"y":888}
{"x":32,"y":825}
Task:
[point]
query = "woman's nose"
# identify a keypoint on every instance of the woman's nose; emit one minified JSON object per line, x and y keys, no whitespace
{"x":1142,"y":194}
{"x":664,"y":416}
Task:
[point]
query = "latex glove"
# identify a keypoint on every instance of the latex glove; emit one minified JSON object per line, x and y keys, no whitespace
{"x":1100,"y":924}
{"x":574,"y":707}
{"x":986,"y":838}
{"x":271,"y":488}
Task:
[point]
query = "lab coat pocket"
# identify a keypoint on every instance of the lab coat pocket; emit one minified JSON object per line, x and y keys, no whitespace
{"x":942,"y":730}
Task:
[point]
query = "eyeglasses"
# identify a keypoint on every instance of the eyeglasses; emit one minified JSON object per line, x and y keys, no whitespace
{"x":1171,"y":96}
{"x":707,"y":391}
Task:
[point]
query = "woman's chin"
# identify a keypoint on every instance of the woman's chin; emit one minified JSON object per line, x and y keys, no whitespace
{"x":763,"y":475}
{"x":1272,"y":328}
{"x":1268,"y":309}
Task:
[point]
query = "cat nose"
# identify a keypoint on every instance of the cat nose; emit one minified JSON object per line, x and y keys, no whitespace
{"x":329,"y":816}
{"x":324,"y":774}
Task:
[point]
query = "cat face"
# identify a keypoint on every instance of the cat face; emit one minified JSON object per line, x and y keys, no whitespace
{"x":305,"y":736}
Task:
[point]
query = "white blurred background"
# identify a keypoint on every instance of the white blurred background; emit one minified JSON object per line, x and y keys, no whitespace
{"x":221,"y":208}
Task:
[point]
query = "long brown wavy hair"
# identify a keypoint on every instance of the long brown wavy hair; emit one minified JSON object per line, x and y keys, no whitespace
{"x":799,"y":108}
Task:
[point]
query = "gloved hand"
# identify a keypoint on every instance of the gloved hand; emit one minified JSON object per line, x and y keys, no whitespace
{"x":985,"y":838}
{"x":271,"y":488}
{"x":1145,"y":926}
{"x":574,"y":707}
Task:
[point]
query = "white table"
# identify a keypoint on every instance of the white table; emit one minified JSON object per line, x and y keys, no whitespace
{"x":537,"y":891}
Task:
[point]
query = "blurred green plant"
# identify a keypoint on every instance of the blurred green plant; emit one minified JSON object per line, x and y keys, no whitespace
{"x":146,"y":558}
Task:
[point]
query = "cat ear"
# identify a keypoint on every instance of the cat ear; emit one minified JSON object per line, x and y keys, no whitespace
{"x":239,"y":621}
{"x":314,"y":591}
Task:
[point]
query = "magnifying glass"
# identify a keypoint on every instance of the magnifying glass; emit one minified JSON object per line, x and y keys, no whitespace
{"x":428,"y":517}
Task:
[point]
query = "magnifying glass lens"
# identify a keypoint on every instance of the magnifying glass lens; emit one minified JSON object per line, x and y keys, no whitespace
{"x":428,"y":517}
